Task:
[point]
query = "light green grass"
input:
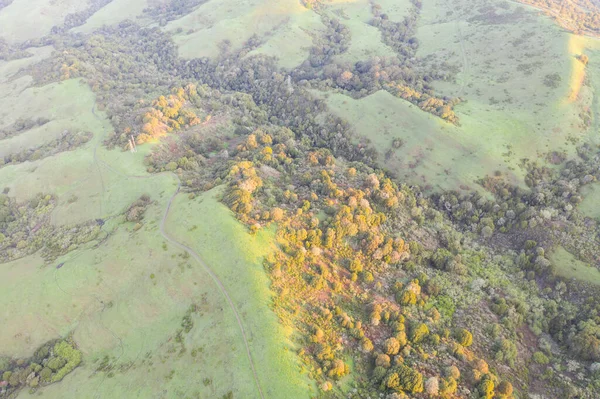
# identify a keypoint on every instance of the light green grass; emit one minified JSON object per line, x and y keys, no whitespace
{"x":29,"y":19}
{"x":396,"y":10}
{"x":504,"y":104}
{"x":281,"y":23}
{"x":105,"y":294}
{"x":507,"y":114}
{"x":590,"y":206}
{"x":365,"y":41}
{"x":236,"y":257}
{"x":9,"y":68}
{"x":68,"y":105}
{"x":570,"y":267}
{"x":434,"y":152}
{"x":113,"y":13}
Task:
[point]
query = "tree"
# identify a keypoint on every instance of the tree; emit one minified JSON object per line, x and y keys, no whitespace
{"x":452,"y":371}
{"x":486,"y":388}
{"x":383,"y":360}
{"x":391,"y":346}
{"x":277,"y":214}
{"x":504,"y":389}
{"x":539,"y":358}
{"x":404,"y":379}
{"x":406,"y":298}
{"x":463,"y":337}
{"x":401,"y":337}
{"x":339,"y":369}
{"x":448,"y":386}
{"x":418,"y":333}
{"x":432,"y":386}
{"x":367,"y":344}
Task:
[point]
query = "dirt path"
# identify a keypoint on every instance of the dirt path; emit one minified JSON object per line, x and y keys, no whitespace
{"x":217,"y":282}
{"x":466,"y":69}
{"x":189,"y":250}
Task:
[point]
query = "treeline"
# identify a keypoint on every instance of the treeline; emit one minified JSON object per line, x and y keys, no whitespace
{"x":127,"y":63}
{"x":10,"y":52}
{"x":165,"y":11}
{"x":402,"y":75}
{"x":49,"y":364}
{"x":581,"y":16}
{"x":73,"y":20}
{"x":67,"y":141}
{"x":22,"y":125}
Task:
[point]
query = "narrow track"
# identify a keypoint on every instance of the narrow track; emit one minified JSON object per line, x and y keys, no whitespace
{"x":215,"y":279}
{"x":190,"y":251}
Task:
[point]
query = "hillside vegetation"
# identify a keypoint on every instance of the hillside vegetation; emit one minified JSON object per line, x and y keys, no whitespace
{"x":314,"y":199}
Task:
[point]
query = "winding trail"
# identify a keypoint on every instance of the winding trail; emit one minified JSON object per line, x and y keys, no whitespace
{"x":217,"y":281}
{"x":466,"y":69}
{"x":189,"y":250}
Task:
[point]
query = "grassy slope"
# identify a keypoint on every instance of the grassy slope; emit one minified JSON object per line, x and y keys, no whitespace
{"x":279,"y":23}
{"x":29,"y":19}
{"x":365,"y":39}
{"x":590,"y":206}
{"x":113,"y":13}
{"x":105,"y":294}
{"x":432,"y":150}
{"x":236,"y":257}
{"x":568,"y":266}
{"x":68,"y":105}
{"x":503,"y":56}
{"x":9,"y":68}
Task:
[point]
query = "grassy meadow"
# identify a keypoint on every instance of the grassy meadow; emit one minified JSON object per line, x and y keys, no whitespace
{"x":124,"y":298}
{"x":30,"y":19}
{"x":525,"y":96}
{"x":366,"y":39}
{"x":113,"y":13}
{"x":590,"y":206}
{"x":522,"y":88}
{"x":203,"y":31}
{"x":570,"y":267}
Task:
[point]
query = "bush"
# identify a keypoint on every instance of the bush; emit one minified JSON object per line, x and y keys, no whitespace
{"x":418,"y":333}
{"x":391,"y":346}
{"x":70,"y":355}
{"x":406,"y":298}
{"x":540,"y":358}
{"x":486,"y":388}
{"x":404,"y":379}
{"x":504,"y":389}
{"x":463,"y":337}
